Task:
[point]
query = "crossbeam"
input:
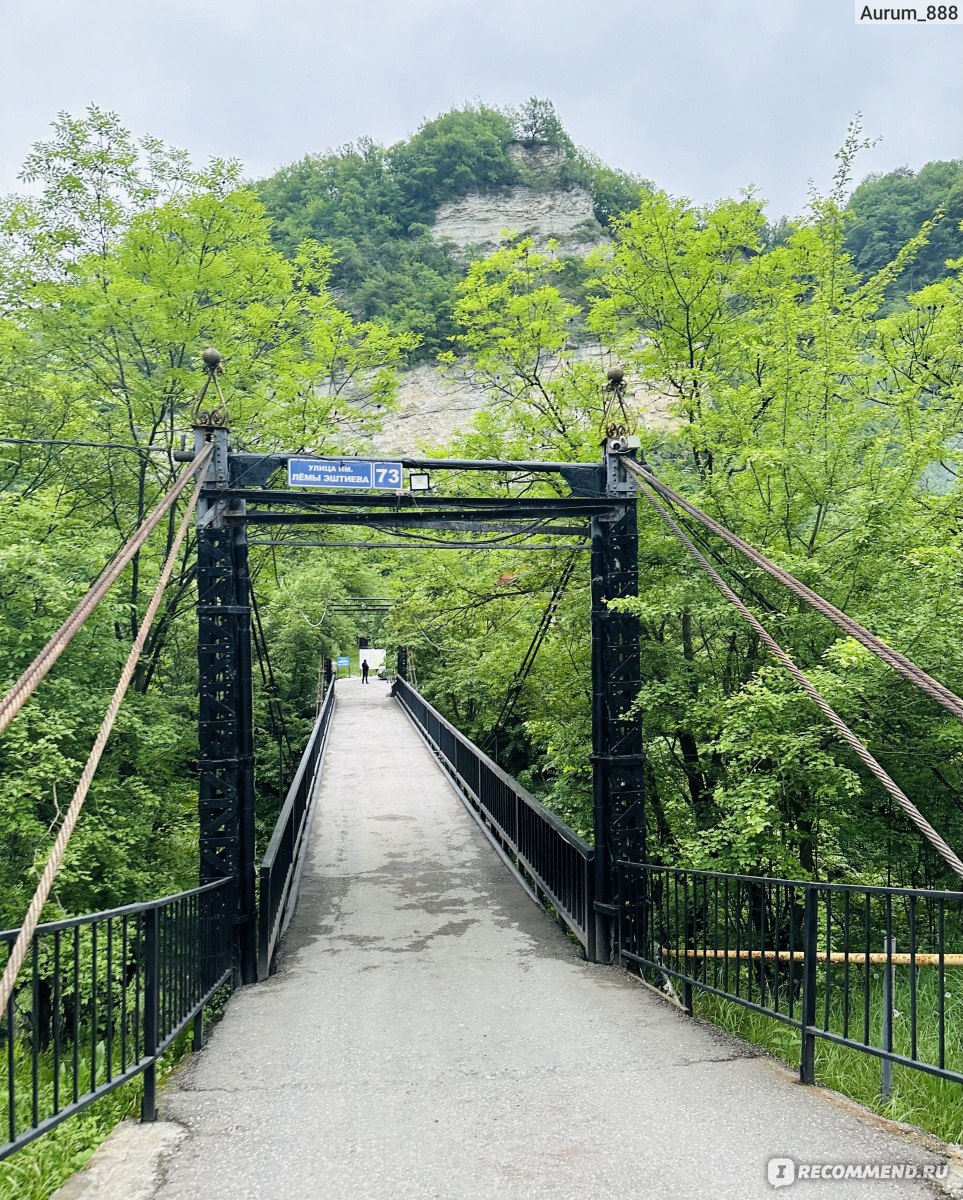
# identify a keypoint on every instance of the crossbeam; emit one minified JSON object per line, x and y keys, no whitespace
{"x":418,"y":501}
{"x":585,"y":479}
{"x":285,"y":543}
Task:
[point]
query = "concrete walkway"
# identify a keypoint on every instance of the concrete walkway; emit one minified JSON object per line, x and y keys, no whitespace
{"x":431,"y":1034}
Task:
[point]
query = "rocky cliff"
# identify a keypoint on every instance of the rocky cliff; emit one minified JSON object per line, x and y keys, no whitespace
{"x":435,"y":404}
{"x":544,"y":210}
{"x":477,"y":221}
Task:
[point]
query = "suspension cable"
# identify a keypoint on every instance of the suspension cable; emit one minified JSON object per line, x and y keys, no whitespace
{"x":27,"y":684}
{"x":842,"y":729}
{"x":5,"y":441}
{"x":268,"y":679}
{"x":899,"y":662}
{"x":515,"y":688}
{"x":25,"y":936}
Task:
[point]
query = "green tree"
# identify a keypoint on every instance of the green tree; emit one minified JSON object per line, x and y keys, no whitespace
{"x":536,"y":123}
{"x":815,"y":428}
{"x":106,"y":307}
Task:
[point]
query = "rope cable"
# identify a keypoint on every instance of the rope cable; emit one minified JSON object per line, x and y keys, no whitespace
{"x":500,"y":540}
{"x":899,"y":662}
{"x":25,"y":936}
{"x":7,"y":441}
{"x":27,"y":684}
{"x":842,"y":729}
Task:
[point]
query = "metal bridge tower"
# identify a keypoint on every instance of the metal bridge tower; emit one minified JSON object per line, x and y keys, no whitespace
{"x":226,"y":763}
{"x":617,"y":744}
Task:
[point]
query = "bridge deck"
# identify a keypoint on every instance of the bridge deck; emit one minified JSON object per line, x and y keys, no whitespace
{"x":430,"y":1033}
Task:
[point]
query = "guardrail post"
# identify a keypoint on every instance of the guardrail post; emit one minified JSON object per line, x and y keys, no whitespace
{"x":148,"y":1107}
{"x":886,"y":1085}
{"x":687,"y":996}
{"x":807,"y":1058}
{"x":591,"y":951}
{"x":264,"y":925}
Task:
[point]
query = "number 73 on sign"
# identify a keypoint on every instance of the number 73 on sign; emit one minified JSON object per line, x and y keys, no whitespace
{"x":387,"y":475}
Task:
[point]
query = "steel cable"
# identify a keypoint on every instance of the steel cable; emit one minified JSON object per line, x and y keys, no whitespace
{"x":844,"y":731}
{"x":25,"y":936}
{"x":898,"y":662}
{"x":528,"y":662}
{"x":27,"y":684}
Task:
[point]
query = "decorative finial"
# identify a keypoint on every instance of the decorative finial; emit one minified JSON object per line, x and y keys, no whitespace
{"x":211,"y":418}
{"x":212,"y":360}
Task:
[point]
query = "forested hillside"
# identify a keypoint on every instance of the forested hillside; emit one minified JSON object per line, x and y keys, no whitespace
{"x":374,"y":205}
{"x":887,"y":210}
{"x":813,"y":413}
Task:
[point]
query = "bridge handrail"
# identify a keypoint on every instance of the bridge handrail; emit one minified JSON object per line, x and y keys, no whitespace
{"x":125,"y":910}
{"x":550,"y":858}
{"x":282,"y":858}
{"x":839,"y":963}
{"x":104,"y":996}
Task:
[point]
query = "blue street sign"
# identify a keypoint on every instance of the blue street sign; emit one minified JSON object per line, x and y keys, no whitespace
{"x":343,"y":660}
{"x":347,"y":473}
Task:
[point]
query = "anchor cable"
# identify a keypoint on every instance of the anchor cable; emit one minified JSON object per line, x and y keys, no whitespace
{"x":842,"y":729}
{"x":27,"y":684}
{"x":25,"y":936}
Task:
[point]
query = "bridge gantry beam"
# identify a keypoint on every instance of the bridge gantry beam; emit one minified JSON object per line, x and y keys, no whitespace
{"x":604,"y":494}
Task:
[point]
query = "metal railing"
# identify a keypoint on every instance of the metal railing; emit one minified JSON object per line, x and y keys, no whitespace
{"x":862,"y":967}
{"x":101,"y":998}
{"x":553,"y":862}
{"x":282,"y":859}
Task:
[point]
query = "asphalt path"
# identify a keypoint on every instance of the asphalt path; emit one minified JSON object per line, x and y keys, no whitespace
{"x":431,"y":1034}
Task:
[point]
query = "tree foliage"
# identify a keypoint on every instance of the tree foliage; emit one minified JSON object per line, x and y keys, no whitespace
{"x":806,"y":415}
{"x":816,"y":427}
{"x":120,"y":271}
{"x":373,"y":206}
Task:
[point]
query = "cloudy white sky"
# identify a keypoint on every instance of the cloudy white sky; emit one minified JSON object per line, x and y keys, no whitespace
{"x":701,"y":96}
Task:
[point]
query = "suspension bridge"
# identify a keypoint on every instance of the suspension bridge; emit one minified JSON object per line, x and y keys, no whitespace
{"x":404,"y":1020}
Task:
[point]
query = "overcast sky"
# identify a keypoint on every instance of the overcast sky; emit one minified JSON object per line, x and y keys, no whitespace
{"x":701,"y":96}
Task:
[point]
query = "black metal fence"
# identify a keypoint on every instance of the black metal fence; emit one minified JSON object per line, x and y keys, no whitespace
{"x":101,"y":998}
{"x":281,"y":862}
{"x":875,"y":969}
{"x":551,"y":860}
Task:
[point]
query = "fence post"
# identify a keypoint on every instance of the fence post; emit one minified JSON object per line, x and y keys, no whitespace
{"x":886,"y":1088}
{"x":807,"y":1058}
{"x":148,"y":1107}
{"x":591,"y":953}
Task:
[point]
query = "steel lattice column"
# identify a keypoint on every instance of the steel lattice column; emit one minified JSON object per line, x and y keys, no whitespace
{"x":226,"y":758}
{"x":618,"y":750}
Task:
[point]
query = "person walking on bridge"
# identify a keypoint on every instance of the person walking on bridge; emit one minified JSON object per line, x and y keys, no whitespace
{"x":364,"y":670}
